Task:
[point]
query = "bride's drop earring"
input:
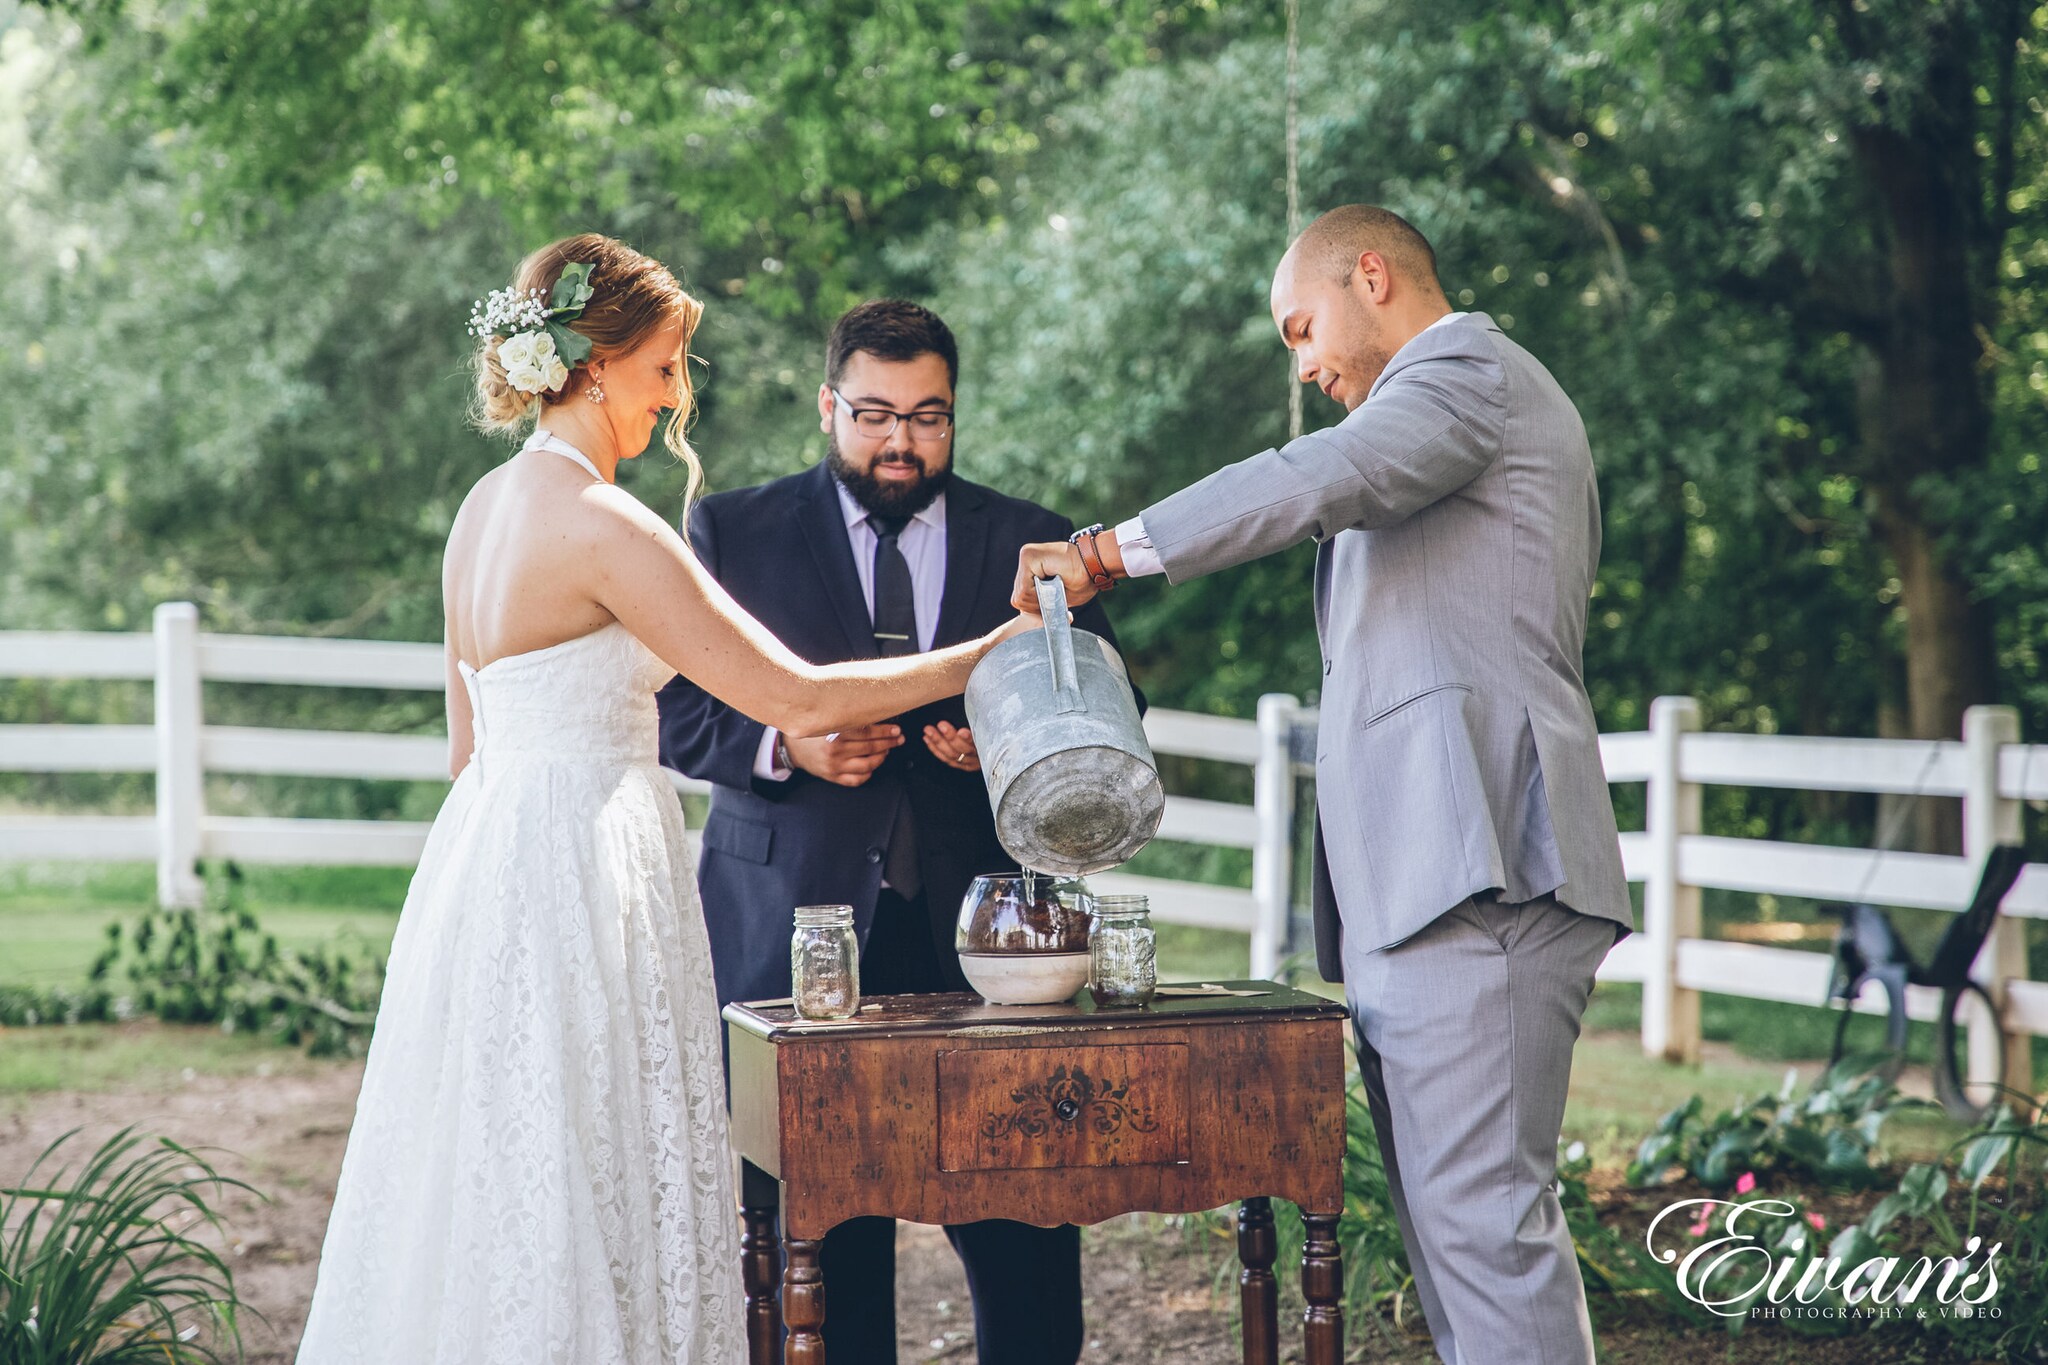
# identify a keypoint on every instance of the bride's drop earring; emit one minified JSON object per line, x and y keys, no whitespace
{"x":595,"y":390}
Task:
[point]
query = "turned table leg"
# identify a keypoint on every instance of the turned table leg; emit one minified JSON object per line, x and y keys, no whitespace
{"x":803,"y":1303}
{"x":1322,"y":1285}
{"x":760,"y":1263}
{"x":1258,"y":1291}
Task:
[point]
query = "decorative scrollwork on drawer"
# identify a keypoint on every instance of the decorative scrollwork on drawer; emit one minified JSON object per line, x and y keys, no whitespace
{"x":1045,"y":1107}
{"x":1070,"y":1096}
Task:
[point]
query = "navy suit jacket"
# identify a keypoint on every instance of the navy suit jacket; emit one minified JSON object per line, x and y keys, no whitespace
{"x":781,"y":550}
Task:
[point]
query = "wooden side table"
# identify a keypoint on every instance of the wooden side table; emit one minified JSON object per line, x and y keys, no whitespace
{"x":943,"y":1109}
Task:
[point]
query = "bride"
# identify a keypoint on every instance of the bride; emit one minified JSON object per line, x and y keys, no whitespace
{"x":538,"y":1170}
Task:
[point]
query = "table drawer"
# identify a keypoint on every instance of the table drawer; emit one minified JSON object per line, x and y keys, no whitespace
{"x":1032,"y":1108}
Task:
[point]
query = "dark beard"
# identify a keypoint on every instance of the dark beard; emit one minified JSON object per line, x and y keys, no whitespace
{"x":886,"y":500}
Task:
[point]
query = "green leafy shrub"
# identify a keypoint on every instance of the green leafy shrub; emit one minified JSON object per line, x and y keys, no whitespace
{"x":27,"y":1006}
{"x":2001,"y":1163}
{"x":216,"y":965}
{"x":1829,"y":1135}
{"x":104,"y":1270}
{"x":1986,"y":1192}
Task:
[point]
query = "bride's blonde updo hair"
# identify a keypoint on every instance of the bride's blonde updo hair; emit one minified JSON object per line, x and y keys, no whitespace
{"x":631,"y":298}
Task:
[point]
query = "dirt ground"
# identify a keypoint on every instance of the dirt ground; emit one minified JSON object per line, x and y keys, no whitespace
{"x":1155,"y":1293}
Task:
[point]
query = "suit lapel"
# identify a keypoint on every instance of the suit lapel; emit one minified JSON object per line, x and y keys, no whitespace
{"x":824,"y":529}
{"x":966,"y":552}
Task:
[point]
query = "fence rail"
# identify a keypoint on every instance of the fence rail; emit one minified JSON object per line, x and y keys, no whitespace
{"x":1986,"y":768}
{"x":180,"y":749}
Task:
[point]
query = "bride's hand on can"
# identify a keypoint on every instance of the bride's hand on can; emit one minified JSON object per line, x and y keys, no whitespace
{"x":1017,"y":625}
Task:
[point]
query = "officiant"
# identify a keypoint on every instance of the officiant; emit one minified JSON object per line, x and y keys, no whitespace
{"x":1468,"y":875}
{"x":880,"y":549}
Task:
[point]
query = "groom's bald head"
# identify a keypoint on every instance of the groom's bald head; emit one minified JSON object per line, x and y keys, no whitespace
{"x":1330,"y":247}
{"x":1351,"y":290}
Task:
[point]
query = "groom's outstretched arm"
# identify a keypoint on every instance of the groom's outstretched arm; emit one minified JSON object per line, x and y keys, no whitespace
{"x":701,"y":736}
{"x":1434,"y":425}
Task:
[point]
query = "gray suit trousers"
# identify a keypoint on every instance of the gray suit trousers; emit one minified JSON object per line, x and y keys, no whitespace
{"x":1465,"y":1034}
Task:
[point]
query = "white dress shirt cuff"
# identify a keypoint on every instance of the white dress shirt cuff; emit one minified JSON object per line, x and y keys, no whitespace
{"x":1135,"y":546}
{"x":764,"y":758}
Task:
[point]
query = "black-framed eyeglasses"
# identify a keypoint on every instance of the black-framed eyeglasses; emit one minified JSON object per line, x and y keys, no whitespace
{"x":926,"y":424}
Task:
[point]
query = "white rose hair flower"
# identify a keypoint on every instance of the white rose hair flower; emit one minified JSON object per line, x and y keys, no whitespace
{"x":536,"y":346}
{"x":531,"y":365}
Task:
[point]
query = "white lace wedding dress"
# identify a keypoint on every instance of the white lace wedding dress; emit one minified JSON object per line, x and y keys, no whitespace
{"x":539,"y":1173}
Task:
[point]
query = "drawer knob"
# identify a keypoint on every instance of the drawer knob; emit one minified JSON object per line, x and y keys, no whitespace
{"x":1068,"y":1110}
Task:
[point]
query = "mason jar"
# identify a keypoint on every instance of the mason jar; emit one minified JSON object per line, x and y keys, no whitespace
{"x":824,"y":963}
{"x":1122,"y":951}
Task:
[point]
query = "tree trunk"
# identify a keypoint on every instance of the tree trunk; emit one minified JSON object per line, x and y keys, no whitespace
{"x":1950,"y":659}
{"x":1924,"y":409}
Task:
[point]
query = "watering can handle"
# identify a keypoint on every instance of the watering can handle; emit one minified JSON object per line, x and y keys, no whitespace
{"x":1059,"y":646}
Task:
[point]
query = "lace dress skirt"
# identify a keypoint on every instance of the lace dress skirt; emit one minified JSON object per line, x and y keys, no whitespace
{"x":539,"y":1168}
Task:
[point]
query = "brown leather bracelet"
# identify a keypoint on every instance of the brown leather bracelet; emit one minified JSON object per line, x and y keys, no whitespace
{"x":1091,"y":557}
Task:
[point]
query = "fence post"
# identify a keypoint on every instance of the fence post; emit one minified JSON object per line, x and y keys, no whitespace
{"x":1273,"y":854}
{"x":1671,"y":909}
{"x":1989,"y":820}
{"x":180,"y":787}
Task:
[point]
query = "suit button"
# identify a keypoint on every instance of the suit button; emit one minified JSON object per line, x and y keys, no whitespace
{"x":874,"y":855}
{"x":1326,"y":668}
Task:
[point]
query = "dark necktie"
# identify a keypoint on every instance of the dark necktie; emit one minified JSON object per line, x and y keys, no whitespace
{"x":895,"y":600}
{"x":896,"y":633}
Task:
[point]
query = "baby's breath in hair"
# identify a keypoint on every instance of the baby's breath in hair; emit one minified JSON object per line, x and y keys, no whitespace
{"x":506,"y":312}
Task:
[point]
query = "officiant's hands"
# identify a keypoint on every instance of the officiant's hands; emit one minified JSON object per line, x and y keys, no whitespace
{"x":953,"y":746}
{"x":1050,"y":559}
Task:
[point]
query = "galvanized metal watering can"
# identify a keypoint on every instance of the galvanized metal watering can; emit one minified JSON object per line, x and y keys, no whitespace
{"x":1071,"y":778}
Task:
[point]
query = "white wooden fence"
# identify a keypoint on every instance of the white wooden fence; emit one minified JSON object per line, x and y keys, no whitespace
{"x":180,"y":748}
{"x":1987,"y":769}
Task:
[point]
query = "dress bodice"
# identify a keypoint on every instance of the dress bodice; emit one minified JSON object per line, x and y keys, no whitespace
{"x":588,"y":699}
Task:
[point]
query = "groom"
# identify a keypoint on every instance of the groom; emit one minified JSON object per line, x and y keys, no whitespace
{"x":881,"y":549}
{"x":1468,"y":874}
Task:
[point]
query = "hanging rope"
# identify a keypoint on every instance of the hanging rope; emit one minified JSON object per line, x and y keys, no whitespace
{"x":1293,"y":185}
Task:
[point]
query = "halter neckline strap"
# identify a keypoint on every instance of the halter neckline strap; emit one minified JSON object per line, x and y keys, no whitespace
{"x":547,"y":440}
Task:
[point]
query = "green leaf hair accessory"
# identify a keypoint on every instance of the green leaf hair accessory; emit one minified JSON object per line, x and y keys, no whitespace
{"x":537,"y":345}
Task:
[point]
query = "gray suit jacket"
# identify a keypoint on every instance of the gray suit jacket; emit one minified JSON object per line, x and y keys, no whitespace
{"x":1459,"y":529}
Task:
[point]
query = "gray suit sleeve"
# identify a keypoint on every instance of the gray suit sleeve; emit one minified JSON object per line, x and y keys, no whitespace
{"x":1432,"y":428}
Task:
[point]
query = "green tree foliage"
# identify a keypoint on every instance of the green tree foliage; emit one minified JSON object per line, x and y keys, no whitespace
{"x":1674,"y":207}
{"x":261,"y":229}
{"x":270,"y":423}
{"x":248,"y":236}
{"x":791,"y":139}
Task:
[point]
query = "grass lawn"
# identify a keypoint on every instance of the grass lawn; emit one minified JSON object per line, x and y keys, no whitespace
{"x":53,"y":918}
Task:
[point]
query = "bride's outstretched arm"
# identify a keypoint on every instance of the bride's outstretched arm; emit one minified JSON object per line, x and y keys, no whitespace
{"x":643,"y":573}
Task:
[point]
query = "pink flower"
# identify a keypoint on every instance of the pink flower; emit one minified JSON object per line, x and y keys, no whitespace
{"x":1746,"y":1183}
{"x":1817,"y":1221}
{"x":1699,"y":1226}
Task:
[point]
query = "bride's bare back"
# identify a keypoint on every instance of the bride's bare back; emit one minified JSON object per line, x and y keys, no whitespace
{"x":511,"y":580}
